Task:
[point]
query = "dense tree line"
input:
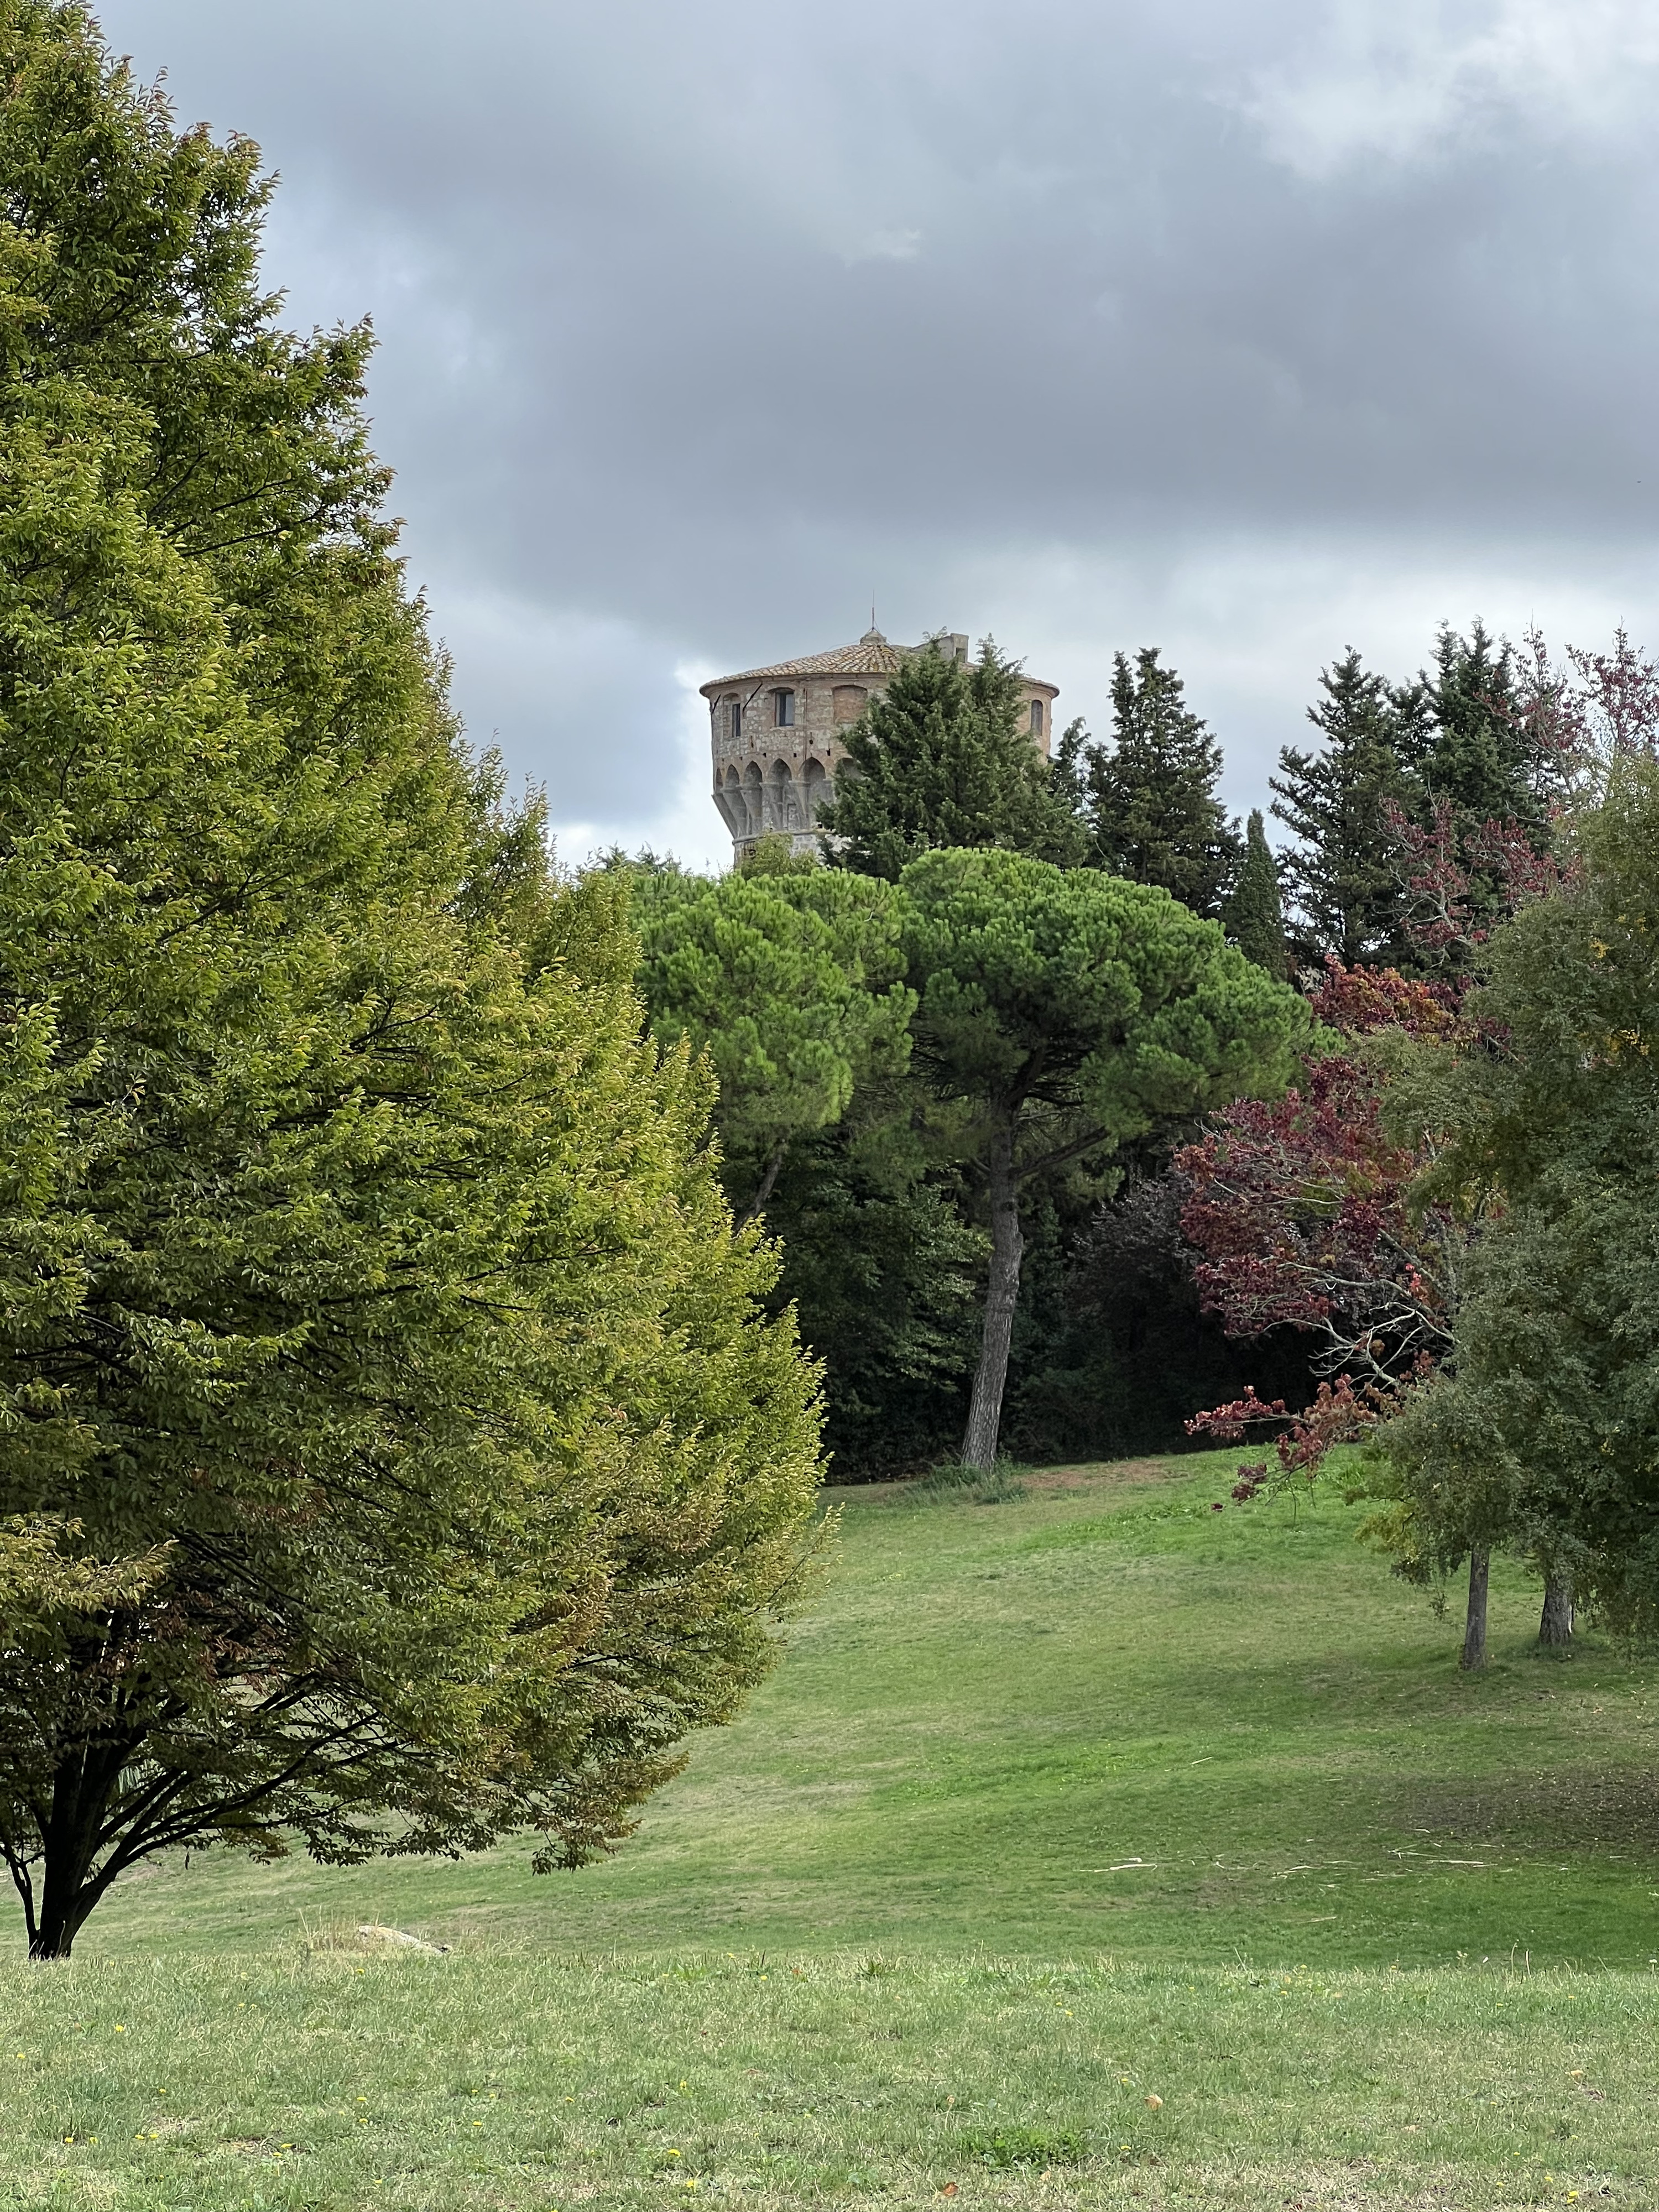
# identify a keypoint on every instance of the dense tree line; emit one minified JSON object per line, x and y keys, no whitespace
{"x":1421,"y":810}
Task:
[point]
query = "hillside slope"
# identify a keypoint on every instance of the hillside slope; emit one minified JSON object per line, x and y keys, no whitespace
{"x":1102,"y":1717}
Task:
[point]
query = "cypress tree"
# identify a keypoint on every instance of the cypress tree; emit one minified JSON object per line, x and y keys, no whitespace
{"x":1253,"y":915}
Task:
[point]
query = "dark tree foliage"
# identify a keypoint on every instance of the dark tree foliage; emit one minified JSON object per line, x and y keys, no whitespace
{"x":1150,"y":800}
{"x":1477,"y":753}
{"x":785,"y":974}
{"x":1423,"y":808}
{"x":1484,"y":770}
{"x":887,"y":1278}
{"x":941,"y":759}
{"x":1127,"y":1357}
{"x":1344,"y":872}
{"x":1252,"y":915}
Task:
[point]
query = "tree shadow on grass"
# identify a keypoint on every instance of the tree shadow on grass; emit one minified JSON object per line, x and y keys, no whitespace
{"x":1583,"y":1807}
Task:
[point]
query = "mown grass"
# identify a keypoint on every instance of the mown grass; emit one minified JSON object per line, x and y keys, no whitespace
{"x":1100,"y":1717}
{"x":480,"y":2082}
{"x":1084,"y":1796}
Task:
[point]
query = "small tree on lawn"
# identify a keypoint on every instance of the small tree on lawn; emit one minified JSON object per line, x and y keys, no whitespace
{"x":1073,"y":1012}
{"x":1547,"y":1422}
{"x":1334,"y":1212}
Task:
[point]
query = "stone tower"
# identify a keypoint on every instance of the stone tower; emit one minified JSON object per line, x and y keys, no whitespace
{"x":777,"y":731}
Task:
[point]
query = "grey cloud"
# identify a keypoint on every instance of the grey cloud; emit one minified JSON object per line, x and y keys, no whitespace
{"x":700,"y":325}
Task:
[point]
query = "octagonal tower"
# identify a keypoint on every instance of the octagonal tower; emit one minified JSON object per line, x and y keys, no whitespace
{"x":776,"y":732}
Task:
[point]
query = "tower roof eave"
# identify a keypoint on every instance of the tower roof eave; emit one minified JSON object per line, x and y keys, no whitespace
{"x":872,"y":656}
{"x":878,"y":659}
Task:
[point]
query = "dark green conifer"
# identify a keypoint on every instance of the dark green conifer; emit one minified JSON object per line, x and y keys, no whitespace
{"x":1343,"y":873}
{"x":941,"y":759}
{"x":1479,"y":758}
{"x":1152,"y":799}
{"x":1254,"y":918}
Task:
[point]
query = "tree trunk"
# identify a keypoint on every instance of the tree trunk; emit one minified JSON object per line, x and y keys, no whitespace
{"x":1555,"y":1628}
{"x":979,"y":1447}
{"x":1474,"y":1634}
{"x":69,"y":1886}
{"x":780,"y":1151}
{"x":55,"y":1932}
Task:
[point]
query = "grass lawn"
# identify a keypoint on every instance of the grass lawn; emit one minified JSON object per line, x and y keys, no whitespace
{"x":1057,"y":1805}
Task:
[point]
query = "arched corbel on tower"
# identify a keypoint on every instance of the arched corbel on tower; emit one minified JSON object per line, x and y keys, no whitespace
{"x":754,"y":799}
{"x":728,"y":797}
{"x":782,"y":805}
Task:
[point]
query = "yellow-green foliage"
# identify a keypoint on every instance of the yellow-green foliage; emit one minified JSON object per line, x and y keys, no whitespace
{"x":391,"y":1447}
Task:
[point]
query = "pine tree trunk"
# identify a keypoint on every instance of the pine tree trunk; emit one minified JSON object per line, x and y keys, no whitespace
{"x":1474,"y":1633}
{"x":1555,"y":1628}
{"x":769,"y":1179}
{"x":979,"y":1449}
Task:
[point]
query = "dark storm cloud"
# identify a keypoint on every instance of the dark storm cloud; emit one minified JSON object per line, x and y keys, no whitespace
{"x":700,"y":325}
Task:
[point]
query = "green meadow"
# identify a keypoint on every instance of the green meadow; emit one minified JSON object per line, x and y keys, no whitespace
{"x":1060,"y":1804}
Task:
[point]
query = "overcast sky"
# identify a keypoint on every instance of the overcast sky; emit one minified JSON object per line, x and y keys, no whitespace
{"x":1251,"y":332}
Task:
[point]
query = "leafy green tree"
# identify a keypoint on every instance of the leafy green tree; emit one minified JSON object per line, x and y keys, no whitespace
{"x":393,"y":1452}
{"x":792,"y":983}
{"x":1345,"y":872}
{"x":1072,"y":1013}
{"x":941,"y":759}
{"x":1253,"y":917}
{"x":1540,"y":1435}
{"x":1151,"y":801}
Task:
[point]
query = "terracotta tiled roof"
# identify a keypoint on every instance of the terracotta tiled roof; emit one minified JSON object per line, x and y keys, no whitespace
{"x":872,"y":656}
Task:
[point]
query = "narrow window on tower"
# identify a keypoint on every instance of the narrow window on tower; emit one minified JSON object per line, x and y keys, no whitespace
{"x":734,"y":709}
{"x":1036,"y":718}
{"x":783,"y":703}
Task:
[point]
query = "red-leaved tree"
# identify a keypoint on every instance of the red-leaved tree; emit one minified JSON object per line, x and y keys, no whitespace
{"x":1300,"y":1215}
